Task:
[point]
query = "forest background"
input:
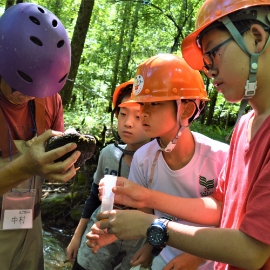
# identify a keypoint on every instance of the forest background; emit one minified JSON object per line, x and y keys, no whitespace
{"x":109,"y":39}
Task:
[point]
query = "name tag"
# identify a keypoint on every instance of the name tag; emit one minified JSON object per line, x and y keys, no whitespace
{"x":18,"y":219}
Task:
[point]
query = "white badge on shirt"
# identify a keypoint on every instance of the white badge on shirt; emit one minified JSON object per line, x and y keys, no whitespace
{"x":18,"y":209}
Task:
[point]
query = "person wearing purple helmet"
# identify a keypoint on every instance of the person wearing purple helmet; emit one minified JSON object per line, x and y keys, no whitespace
{"x":35,"y":62}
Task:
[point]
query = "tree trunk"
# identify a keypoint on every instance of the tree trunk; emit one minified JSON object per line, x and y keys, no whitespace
{"x":125,"y":15}
{"x":211,"y":108}
{"x":77,"y":45}
{"x":9,"y":3}
{"x":127,"y":54}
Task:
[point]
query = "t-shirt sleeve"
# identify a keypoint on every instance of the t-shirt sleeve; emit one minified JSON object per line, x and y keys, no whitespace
{"x":92,"y":202}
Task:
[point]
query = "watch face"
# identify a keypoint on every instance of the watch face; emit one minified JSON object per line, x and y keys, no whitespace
{"x":156,"y":236}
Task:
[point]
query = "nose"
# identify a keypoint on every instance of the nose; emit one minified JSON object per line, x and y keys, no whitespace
{"x":143,"y":110}
{"x":128,"y":122}
{"x":212,"y":72}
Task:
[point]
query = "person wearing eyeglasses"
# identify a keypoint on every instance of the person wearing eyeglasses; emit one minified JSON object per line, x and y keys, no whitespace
{"x":230,"y":45}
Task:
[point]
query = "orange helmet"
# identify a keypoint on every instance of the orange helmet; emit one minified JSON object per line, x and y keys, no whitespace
{"x":119,"y":90}
{"x":167,"y":77}
{"x":210,"y":12}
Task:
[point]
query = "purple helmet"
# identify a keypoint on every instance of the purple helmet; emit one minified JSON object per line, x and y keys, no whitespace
{"x":35,"y":52}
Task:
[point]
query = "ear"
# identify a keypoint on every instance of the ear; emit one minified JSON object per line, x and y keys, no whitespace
{"x":188,"y":110}
{"x":260,"y":36}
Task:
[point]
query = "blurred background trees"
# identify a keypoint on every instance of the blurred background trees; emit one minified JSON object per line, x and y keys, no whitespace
{"x":108,"y":41}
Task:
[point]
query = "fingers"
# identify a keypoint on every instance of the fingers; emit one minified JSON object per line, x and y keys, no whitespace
{"x":92,"y":242}
{"x":59,"y":174}
{"x":104,"y":219}
{"x":55,"y":154}
{"x":93,"y":245}
{"x":47,"y":135}
{"x":62,"y":170}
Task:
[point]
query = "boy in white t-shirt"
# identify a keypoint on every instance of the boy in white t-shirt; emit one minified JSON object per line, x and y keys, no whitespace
{"x":178,"y":162}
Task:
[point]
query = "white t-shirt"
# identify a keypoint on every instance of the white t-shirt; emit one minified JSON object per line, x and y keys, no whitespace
{"x":197,"y":179}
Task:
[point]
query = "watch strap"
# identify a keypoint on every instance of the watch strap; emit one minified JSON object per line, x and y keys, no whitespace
{"x":155,"y":251}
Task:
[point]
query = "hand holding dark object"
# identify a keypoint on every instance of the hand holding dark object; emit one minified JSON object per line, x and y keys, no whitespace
{"x":86,"y":144}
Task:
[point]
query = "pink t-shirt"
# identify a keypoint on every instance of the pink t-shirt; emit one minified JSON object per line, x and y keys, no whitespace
{"x":244,"y":185}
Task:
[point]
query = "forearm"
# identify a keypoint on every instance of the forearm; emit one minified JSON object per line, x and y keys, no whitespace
{"x":205,"y":210}
{"x":12,"y":174}
{"x":81,"y":228}
{"x":223,"y":245}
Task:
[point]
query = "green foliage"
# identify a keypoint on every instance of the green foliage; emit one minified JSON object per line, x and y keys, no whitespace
{"x":214,"y":132}
{"x":150,"y":27}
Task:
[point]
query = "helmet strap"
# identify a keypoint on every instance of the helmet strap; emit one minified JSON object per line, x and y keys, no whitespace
{"x":251,"y":84}
{"x":124,"y":151}
{"x":173,"y":142}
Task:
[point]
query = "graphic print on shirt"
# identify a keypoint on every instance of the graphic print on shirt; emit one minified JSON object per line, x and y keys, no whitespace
{"x":208,"y":186}
{"x":111,"y":172}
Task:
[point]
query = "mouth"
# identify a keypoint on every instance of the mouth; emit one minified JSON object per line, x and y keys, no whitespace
{"x":218,"y":85}
{"x":127,"y":132}
{"x":145,"y":125}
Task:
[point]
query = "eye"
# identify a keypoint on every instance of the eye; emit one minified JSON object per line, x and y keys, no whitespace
{"x":155,"y":103}
{"x":214,"y":52}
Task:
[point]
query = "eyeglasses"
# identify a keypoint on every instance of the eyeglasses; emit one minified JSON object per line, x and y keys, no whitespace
{"x":207,"y":57}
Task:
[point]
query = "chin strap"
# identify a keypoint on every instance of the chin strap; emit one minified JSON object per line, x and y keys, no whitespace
{"x":251,"y":84}
{"x":172,"y":143}
{"x":170,"y":146}
{"x":124,"y":151}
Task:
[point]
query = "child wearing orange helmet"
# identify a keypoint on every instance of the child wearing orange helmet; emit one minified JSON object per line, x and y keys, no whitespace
{"x":178,"y":162}
{"x":230,"y":44}
{"x":114,"y":159}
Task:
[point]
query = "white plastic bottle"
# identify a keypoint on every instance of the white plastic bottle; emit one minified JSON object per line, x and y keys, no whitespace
{"x":108,"y":195}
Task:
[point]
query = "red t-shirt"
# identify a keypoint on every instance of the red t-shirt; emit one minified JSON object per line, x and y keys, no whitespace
{"x":244,"y":185}
{"x":20,"y":121}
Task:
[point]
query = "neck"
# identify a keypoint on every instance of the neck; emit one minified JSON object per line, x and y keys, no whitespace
{"x":182,"y":153}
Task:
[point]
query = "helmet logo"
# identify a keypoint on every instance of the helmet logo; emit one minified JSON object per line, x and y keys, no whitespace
{"x":138,"y":85}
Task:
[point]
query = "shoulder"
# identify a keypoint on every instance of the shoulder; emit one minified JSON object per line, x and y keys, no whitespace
{"x":209,"y":145}
{"x":146,"y":151}
{"x":54,"y":100}
{"x":148,"y":148}
{"x":111,"y":150}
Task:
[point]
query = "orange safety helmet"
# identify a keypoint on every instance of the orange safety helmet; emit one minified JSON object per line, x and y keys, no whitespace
{"x":119,"y":90}
{"x":167,"y":77}
{"x":210,"y":12}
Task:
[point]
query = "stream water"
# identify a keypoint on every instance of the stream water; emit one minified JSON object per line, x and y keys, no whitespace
{"x":55,"y":243}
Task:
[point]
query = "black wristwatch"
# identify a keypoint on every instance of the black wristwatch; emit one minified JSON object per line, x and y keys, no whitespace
{"x":157,"y":234}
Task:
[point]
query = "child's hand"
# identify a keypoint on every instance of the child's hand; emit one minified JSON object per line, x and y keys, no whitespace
{"x":98,"y":238}
{"x":184,"y":261}
{"x":143,"y":256}
{"x":128,"y":193}
{"x":73,"y":247}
